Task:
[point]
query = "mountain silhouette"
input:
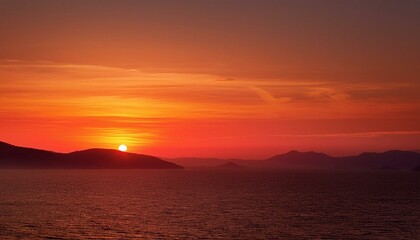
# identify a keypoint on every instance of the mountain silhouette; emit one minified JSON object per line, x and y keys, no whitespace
{"x":21,"y":157}
{"x":394,"y":159}
{"x":302,"y":159}
{"x":298,"y":156}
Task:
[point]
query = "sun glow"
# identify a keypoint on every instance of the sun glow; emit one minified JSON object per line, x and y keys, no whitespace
{"x":122,"y":148}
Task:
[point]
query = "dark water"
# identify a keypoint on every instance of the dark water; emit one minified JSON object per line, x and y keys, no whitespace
{"x":186,"y":204}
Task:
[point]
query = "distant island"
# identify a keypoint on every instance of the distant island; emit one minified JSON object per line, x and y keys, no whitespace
{"x":21,"y":157}
{"x":393,"y":159}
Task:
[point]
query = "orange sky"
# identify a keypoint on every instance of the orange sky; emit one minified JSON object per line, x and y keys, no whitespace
{"x":244,"y":79}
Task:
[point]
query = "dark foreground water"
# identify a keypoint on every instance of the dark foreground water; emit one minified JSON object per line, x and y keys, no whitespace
{"x":183,"y":204}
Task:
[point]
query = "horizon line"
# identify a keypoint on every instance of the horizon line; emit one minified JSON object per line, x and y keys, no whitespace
{"x":227,"y":158}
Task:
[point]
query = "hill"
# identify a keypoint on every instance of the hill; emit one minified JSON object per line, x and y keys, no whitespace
{"x":20,"y":157}
{"x":295,"y":159}
{"x":394,"y":159}
{"x":390,"y":159}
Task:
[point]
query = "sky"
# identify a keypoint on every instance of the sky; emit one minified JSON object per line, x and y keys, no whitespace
{"x":210,"y":78}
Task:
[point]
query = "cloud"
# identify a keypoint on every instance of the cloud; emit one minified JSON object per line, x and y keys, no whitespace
{"x":42,"y":87}
{"x":226,"y":79}
{"x":267,"y":97}
{"x":355,"y":135}
{"x":327,"y":94}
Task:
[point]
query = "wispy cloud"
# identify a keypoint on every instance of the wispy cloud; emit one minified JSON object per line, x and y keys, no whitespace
{"x":355,"y":135}
{"x":92,"y":90}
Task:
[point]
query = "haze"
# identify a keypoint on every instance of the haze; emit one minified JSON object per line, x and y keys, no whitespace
{"x":210,"y":78}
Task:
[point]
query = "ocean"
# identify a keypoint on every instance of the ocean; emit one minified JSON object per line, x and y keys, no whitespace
{"x":204,"y":204}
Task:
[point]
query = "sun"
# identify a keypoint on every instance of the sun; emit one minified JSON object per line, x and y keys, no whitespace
{"x":122,"y":148}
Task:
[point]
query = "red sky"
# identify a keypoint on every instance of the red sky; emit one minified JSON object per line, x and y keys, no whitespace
{"x":228,"y":78}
